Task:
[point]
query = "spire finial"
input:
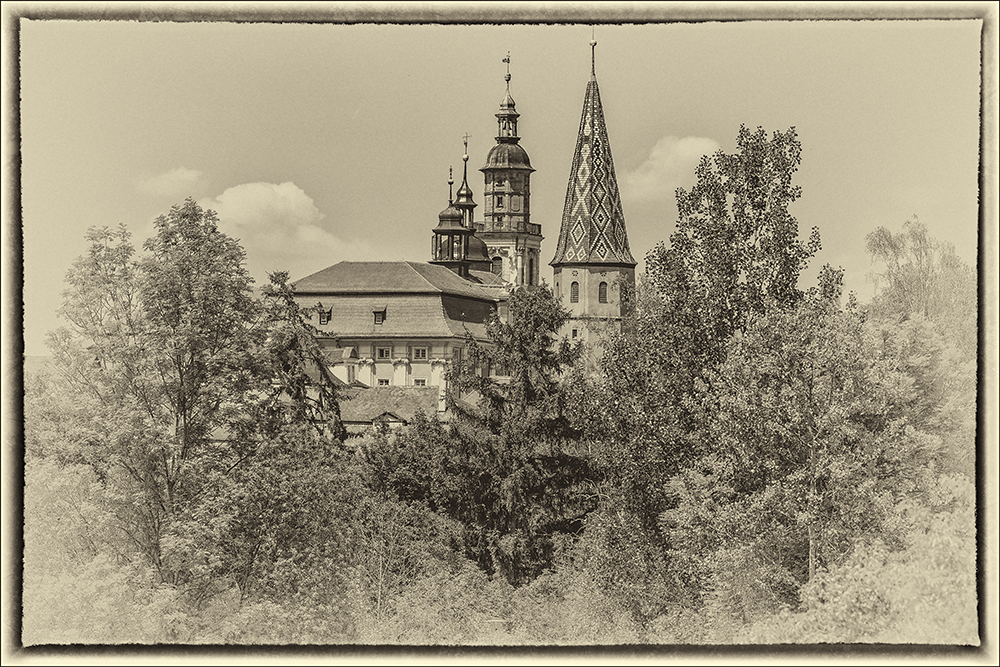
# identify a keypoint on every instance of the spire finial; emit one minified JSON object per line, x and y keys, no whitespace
{"x":507,"y":76}
{"x":593,"y":49}
{"x":465,"y":140}
{"x":451,"y":182}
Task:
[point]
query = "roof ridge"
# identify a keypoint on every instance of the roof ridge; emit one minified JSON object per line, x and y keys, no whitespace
{"x":409,"y":264}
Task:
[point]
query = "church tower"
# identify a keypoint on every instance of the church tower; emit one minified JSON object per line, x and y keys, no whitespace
{"x":594,"y":271}
{"x":512,"y":240}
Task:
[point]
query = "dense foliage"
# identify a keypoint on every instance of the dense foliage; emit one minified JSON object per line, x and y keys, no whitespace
{"x":506,"y":469}
{"x":755,"y":460}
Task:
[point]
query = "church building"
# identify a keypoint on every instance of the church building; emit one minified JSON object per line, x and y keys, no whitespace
{"x":399,"y":324}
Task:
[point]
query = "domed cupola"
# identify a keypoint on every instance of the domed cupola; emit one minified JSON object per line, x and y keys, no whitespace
{"x":450,"y":240}
{"x":450,"y":218}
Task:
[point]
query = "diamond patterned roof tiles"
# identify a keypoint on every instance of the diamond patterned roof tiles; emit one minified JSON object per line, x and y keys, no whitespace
{"x":593,"y":225}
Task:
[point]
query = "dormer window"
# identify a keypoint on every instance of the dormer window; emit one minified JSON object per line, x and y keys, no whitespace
{"x":325,"y":315}
{"x":379,"y":314}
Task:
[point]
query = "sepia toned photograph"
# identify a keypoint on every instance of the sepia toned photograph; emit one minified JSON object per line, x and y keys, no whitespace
{"x":508,"y":328}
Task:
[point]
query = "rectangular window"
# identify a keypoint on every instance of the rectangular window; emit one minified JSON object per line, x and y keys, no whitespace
{"x":383,"y":382}
{"x":383,"y":353}
{"x":420,"y":353}
{"x":499,"y":203}
{"x":419,"y":382}
{"x":379,"y":316}
{"x":574,"y":333}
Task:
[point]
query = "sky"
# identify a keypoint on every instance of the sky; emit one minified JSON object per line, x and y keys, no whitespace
{"x":319,"y":143}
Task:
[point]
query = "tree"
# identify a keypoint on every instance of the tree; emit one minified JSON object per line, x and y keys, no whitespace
{"x":529,"y":407}
{"x":735,"y":249}
{"x":734,"y":257}
{"x":509,"y":469}
{"x":924,"y":276}
{"x":303,"y":391}
{"x":810,"y":450}
{"x":165,"y":344}
{"x":203,"y":397}
{"x":925,"y":311}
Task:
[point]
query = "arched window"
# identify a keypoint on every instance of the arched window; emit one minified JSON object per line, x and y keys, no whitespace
{"x":498,"y":265}
{"x":602,"y":293}
{"x":574,"y":292}
{"x":531,"y":270}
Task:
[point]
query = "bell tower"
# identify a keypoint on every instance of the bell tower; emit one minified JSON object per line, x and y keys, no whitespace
{"x":513,"y":241}
{"x":594,"y":271}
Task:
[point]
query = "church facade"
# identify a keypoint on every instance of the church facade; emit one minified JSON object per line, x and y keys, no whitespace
{"x":400,"y":324}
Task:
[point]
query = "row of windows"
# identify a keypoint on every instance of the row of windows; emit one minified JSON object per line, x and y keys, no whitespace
{"x":417,"y":382}
{"x":574,"y":292}
{"x":419,"y":353}
{"x":326,"y":315}
{"x":384,"y":353}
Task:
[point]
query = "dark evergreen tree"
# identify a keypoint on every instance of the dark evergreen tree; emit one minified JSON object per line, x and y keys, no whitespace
{"x":510,"y":469}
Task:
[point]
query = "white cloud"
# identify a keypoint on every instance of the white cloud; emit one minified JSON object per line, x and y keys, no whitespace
{"x":670,"y":165}
{"x":179,"y":182}
{"x":280,"y":228}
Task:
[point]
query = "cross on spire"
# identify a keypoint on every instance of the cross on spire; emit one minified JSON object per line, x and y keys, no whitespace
{"x":465,"y":139}
{"x":507,"y":76}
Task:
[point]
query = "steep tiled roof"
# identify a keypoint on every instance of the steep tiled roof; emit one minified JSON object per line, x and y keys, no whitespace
{"x":388,"y":278}
{"x":406,"y":315}
{"x":593,"y":225}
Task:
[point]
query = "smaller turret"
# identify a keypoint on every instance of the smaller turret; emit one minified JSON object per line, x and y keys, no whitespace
{"x":450,"y":241}
{"x":463,"y":199}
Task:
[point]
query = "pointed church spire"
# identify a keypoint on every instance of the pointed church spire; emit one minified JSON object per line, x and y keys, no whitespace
{"x":593,"y":225}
